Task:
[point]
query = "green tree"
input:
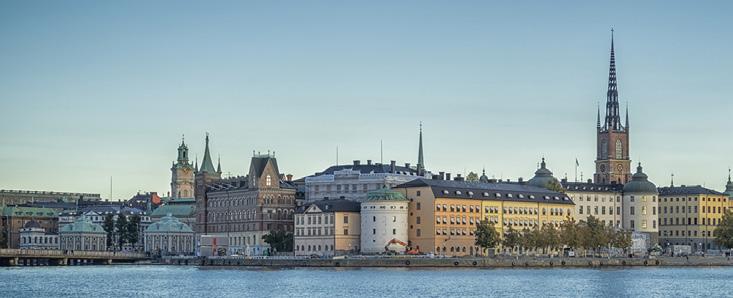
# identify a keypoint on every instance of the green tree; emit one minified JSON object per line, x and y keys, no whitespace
{"x":528,"y":240}
{"x":594,"y":234}
{"x":121,"y":227}
{"x":511,"y":239}
{"x":551,"y":237}
{"x":3,"y":237}
{"x":621,"y":239}
{"x":132,"y":229}
{"x":570,"y":233}
{"x":279,"y":241}
{"x":472,"y":177}
{"x":553,"y":185}
{"x":724,"y":230}
{"x":109,"y":227}
{"x":486,"y":235}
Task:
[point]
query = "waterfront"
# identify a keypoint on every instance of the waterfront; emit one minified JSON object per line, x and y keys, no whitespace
{"x":183,"y":281}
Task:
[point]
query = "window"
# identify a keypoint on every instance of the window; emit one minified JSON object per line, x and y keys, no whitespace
{"x":346,"y":219}
{"x":374,"y":219}
{"x":394,"y":231}
{"x":346,"y":231}
{"x":631,"y":210}
{"x":418,"y":193}
{"x":417,"y":220}
{"x":418,"y":233}
{"x":417,"y":206}
{"x":374,"y":231}
{"x":269,"y":180}
{"x":394,"y":218}
{"x":619,"y":150}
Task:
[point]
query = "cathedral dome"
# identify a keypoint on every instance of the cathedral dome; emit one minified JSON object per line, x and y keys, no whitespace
{"x":640,"y":183}
{"x":542,"y":177}
{"x":385,"y":194}
{"x":32,"y":224}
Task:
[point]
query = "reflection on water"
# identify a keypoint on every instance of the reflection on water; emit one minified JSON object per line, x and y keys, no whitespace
{"x":182,"y":281}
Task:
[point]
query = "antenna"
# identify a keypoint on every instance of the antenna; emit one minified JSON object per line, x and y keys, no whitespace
{"x":337,"y":155}
{"x":381,"y":151}
{"x":110,"y":187}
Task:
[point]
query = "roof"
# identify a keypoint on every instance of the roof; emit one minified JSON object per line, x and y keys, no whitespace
{"x":385,"y":194}
{"x":29,"y":211}
{"x":207,"y":165}
{"x":640,"y":183}
{"x":168,"y":224}
{"x":369,"y":168}
{"x":340,"y":205}
{"x":687,"y":190}
{"x":591,"y":187}
{"x":241,"y":184}
{"x":489,"y":191}
{"x":543,"y":176}
{"x":177,"y":210}
{"x":82,"y":225}
{"x":32,"y":224}
{"x":115,"y":209}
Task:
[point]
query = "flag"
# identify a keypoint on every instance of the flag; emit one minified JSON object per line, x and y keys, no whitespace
{"x":577,"y":163}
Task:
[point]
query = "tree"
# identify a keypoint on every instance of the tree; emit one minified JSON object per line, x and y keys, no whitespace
{"x":511,"y":239}
{"x":724,"y":230}
{"x":132,"y":230}
{"x":553,"y":185}
{"x":280,"y":241}
{"x":121,"y":227}
{"x":551,"y":237}
{"x":570,"y":233}
{"x":594,"y":234}
{"x":3,"y":237}
{"x":528,"y":240}
{"x":109,"y":227}
{"x":486,"y":235}
{"x":472,"y":177}
{"x":621,"y":239}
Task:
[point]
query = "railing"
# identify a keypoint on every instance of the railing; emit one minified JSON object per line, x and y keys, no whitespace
{"x":69,"y":253}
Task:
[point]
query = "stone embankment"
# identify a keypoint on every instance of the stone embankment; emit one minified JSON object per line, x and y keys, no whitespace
{"x":522,"y":262}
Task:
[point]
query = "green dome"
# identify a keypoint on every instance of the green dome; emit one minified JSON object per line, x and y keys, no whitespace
{"x":640,"y":183}
{"x":83,"y":225}
{"x":385,"y":194}
{"x":542,"y":177}
{"x":168,"y":224}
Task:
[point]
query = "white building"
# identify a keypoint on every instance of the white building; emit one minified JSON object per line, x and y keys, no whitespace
{"x":82,"y":235}
{"x":33,"y":236}
{"x":169,"y":236}
{"x":602,"y":201}
{"x":384,"y":224}
{"x":327,"y":228}
{"x":353,"y":182}
{"x":640,"y":205}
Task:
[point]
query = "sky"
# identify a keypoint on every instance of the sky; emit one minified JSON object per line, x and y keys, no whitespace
{"x":96,"y":89}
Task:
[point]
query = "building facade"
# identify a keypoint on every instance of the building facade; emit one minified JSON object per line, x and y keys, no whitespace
{"x":204,"y":176}
{"x":14,"y":218}
{"x":443,"y":213}
{"x":18,"y":197}
{"x":33,"y":236}
{"x":327,"y":228}
{"x":248,"y":208}
{"x":83,"y":235}
{"x":169,"y":236}
{"x":641,"y":205}
{"x":384,"y":222}
{"x":688,"y":215}
{"x":613,"y":164}
{"x":602,"y":201}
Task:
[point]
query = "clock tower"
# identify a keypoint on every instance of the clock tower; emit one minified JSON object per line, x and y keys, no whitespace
{"x":182,"y":174}
{"x":612,"y":163}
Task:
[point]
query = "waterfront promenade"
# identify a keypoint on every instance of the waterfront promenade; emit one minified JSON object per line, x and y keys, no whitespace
{"x":44,"y":257}
{"x":501,"y":262}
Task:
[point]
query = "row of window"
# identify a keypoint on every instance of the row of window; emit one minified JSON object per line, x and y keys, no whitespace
{"x":691,"y":221}
{"x":691,"y":209}
{"x":596,"y":210}
{"x":499,"y":195}
{"x":643,"y":224}
{"x":678,"y":233}
{"x":595,"y":199}
{"x":694,"y":199}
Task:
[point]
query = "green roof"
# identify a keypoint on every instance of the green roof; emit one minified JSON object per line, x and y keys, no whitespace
{"x":168,"y":224}
{"x":385,"y":194}
{"x":29,"y":211}
{"x":82,"y":225}
{"x":178,"y":210}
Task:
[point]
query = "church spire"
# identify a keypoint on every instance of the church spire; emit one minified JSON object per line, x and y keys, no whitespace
{"x":613,"y":117}
{"x":420,"y":160}
{"x":207,"y":165}
{"x":183,"y":152}
{"x":598,"y":117}
{"x":218,"y":164}
{"x":626,"y":125}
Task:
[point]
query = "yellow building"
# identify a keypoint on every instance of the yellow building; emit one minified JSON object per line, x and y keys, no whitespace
{"x":688,"y":215}
{"x":443,"y":213}
{"x":327,"y":228}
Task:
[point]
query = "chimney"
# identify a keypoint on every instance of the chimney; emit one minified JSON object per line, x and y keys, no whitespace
{"x":407,"y":165}
{"x":564,"y":180}
{"x":590,"y":180}
{"x":442,"y":175}
{"x":521,"y":180}
{"x":357,"y":162}
{"x":447,"y":176}
{"x":392,"y":165}
{"x":290,"y":177}
{"x":436,"y":177}
{"x":458,"y":177}
{"x":369,"y":162}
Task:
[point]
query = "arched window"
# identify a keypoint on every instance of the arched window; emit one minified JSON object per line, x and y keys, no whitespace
{"x":619,"y":150}
{"x":269,"y":180}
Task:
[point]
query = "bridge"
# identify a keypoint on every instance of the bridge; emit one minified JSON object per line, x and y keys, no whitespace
{"x":52,"y":257}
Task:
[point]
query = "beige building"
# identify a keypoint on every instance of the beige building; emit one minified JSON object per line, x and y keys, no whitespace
{"x":603,"y":202}
{"x":327,"y":228}
{"x":688,"y":215}
{"x":384,"y":219}
{"x":640,"y":205}
{"x":84,"y":235}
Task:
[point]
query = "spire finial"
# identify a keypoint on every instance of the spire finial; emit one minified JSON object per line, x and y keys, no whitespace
{"x":218,"y":163}
{"x":598,"y":117}
{"x":729,"y":175}
{"x":183,"y":139}
{"x":671,"y":184}
{"x":542,"y":164}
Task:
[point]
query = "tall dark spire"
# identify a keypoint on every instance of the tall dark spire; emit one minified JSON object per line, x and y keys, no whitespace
{"x":613,"y":117}
{"x":626,"y":125}
{"x":207,"y":165}
{"x":420,"y":160}
{"x":598,"y":118}
{"x":218,"y":165}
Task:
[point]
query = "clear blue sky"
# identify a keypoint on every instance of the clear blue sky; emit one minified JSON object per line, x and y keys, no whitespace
{"x":95,"y":89}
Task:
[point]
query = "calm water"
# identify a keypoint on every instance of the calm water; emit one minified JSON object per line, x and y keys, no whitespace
{"x":169,"y":281}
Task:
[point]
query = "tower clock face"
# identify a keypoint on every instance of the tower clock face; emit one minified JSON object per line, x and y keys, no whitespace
{"x":603,"y":168}
{"x":620,"y":168}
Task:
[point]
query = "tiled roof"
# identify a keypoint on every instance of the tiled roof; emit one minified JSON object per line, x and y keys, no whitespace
{"x":592,"y":187}
{"x":369,"y":168}
{"x":29,"y":211}
{"x":687,"y":190}
{"x":177,"y":210}
{"x":489,"y":191}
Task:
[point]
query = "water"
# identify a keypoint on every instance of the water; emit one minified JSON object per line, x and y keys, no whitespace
{"x":181,"y":281}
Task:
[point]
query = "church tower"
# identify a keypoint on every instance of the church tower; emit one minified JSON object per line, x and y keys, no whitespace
{"x":205,"y":175}
{"x":182,"y":174}
{"x":612,"y":163}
